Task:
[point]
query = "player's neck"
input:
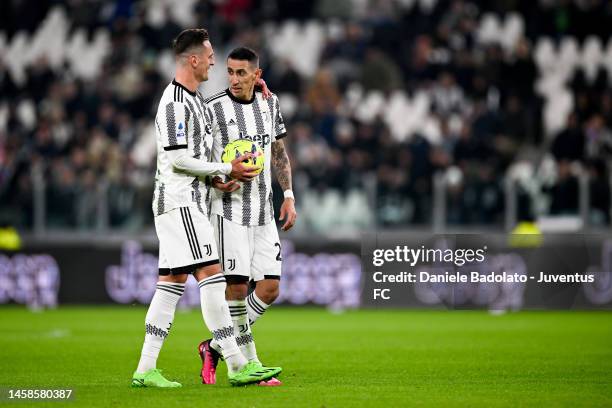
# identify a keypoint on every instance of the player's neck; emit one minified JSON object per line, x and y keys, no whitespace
{"x":187,"y":81}
{"x":247,"y":97}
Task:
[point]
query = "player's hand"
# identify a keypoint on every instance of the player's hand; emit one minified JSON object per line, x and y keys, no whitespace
{"x":241,"y":172}
{"x":265,"y":91}
{"x":287,"y":213}
{"x":228,"y":187}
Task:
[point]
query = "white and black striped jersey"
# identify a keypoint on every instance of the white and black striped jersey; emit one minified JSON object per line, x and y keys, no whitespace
{"x":182,"y":122}
{"x":259,"y":120}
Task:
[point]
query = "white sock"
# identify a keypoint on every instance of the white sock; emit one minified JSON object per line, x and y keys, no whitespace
{"x":158,"y":322}
{"x":255,"y":307}
{"x":217,"y":317}
{"x":242,"y":329}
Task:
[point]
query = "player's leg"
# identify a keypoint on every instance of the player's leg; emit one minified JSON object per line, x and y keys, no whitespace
{"x":215,"y":308}
{"x":266,"y":271}
{"x":235,"y":254}
{"x":159,"y":318}
{"x":265,"y":293}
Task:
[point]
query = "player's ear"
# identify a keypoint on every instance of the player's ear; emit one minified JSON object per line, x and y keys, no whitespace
{"x":258,"y":73}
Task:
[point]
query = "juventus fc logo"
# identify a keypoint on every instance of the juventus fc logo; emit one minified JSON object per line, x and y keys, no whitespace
{"x":208,"y":249}
{"x":232,"y":264}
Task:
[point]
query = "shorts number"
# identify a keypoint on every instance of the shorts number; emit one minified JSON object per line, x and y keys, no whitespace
{"x":278,"y":256}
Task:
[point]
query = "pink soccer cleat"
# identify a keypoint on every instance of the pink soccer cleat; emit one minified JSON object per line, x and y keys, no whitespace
{"x":272,"y":382}
{"x":210,"y":359}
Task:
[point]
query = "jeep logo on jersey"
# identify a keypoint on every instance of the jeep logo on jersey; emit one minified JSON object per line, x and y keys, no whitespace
{"x":262,"y":140}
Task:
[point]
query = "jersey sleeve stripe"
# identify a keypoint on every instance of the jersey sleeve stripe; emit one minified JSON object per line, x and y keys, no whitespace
{"x":175,"y":147}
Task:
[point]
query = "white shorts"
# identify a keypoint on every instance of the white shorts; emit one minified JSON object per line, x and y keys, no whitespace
{"x":186,"y":241}
{"x":253,"y":252}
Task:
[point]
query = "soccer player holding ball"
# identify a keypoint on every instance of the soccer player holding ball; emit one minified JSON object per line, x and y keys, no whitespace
{"x":243,"y":215}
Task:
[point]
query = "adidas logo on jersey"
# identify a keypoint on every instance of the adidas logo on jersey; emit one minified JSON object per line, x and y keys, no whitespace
{"x":232,"y":122}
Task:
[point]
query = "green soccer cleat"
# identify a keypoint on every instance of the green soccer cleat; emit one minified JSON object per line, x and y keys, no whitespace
{"x":253,"y":372}
{"x":275,"y":370}
{"x":153,"y":378}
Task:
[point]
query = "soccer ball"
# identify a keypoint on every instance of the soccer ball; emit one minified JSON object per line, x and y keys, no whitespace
{"x":239,"y":147}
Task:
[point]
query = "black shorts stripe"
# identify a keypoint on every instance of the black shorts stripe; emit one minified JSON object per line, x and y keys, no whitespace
{"x":273,"y":277}
{"x":221,"y":243}
{"x":164,"y":271}
{"x":192,"y":268}
{"x":188,"y":233}
{"x":195,"y":236}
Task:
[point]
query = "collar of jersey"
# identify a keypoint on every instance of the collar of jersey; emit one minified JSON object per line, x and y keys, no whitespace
{"x":183,"y":86}
{"x":233,"y":98}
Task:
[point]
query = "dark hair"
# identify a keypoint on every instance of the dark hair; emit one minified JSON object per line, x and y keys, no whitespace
{"x":192,"y":37}
{"x":244,"y":54}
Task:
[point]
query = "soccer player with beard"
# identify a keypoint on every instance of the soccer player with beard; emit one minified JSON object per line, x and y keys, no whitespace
{"x":243,"y":218}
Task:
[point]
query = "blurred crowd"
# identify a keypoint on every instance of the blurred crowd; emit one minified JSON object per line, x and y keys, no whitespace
{"x":86,"y":138}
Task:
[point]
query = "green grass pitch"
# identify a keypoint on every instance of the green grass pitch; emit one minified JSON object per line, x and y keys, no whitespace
{"x":386,"y":358}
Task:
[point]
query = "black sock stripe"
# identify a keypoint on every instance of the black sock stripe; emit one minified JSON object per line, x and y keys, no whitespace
{"x":258,"y":309}
{"x":187,"y":233}
{"x":181,"y":290}
{"x":197,"y":243}
{"x":253,"y":303}
{"x":170,"y":291}
{"x":175,"y":285}
{"x":221,"y":279}
{"x":218,"y":280}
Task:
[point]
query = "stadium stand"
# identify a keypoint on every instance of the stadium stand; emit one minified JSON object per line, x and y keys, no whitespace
{"x":377,"y":98}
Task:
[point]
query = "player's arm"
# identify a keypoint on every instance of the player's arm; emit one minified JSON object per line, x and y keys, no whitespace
{"x":183,"y":162}
{"x":282,"y":168}
{"x":179,"y":133}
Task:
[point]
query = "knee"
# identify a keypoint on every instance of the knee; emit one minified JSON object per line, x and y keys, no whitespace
{"x":267,"y":291}
{"x":237,"y":291}
{"x":174,"y":278}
